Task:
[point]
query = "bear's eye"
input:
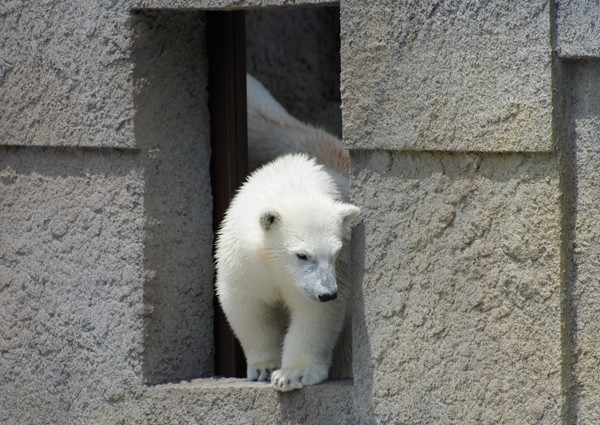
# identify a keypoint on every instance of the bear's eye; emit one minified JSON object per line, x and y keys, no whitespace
{"x":302,"y":257}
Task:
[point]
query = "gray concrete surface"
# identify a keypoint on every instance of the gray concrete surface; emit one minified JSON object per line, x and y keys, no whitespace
{"x":474,"y":159}
{"x":459,"y":264}
{"x":578,"y":34}
{"x":460,"y":76}
{"x":71,"y":274}
{"x":65,"y":74}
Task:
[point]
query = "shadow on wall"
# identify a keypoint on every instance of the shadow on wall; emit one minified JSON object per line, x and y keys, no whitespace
{"x":580,"y":162}
{"x":170,"y":81}
{"x":362,"y":365}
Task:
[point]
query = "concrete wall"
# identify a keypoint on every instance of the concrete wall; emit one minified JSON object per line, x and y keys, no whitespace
{"x":470,"y":243}
{"x":473,"y":130}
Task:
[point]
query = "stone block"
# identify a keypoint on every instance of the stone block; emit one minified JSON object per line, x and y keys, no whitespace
{"x":228,"y":401}
{"x":577,"y":28}
{"x":449,"y":76}
{"x":458,"y":318}
{"x":66,"y":74}
{"x":71,"y":295}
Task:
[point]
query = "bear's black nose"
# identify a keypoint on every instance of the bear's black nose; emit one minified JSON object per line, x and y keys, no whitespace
{"x":327,"y":297}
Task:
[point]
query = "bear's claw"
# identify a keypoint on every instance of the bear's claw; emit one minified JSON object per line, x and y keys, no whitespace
{"x":288,"y":379}
{"x":261,"y":371}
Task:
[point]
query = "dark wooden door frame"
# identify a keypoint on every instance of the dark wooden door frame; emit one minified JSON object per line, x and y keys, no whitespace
{"x":226,"y":41}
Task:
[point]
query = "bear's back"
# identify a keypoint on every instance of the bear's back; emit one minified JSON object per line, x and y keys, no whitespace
{"x":292,"y":177}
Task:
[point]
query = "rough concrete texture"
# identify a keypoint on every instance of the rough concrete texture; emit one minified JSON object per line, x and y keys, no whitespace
{"x":584,"y":127}
{"x":459,"y":263}
{"x":465,"y":76}
{"x":301,"y":66}
{"x":71,"y":249}
{"x":66,"y":65}
{"x":577,"y":28}
{"x":170,"y":81}
{"x":231,"y":401}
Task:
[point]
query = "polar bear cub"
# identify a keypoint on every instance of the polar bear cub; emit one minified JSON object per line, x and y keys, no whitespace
{"x":282,"y":269}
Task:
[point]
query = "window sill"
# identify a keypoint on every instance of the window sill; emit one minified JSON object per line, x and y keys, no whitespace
{"x":237,"y":401}
{"x":219,"y":383}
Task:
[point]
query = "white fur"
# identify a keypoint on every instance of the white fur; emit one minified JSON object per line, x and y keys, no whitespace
{"x":282,"y":244}
{"x":273,"y":132}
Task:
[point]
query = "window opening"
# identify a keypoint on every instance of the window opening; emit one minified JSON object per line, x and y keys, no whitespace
{"x":301,"y":72}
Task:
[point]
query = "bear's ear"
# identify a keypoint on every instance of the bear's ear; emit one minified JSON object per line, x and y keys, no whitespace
{"x":349,"y":213}
{"x":268,"y":218}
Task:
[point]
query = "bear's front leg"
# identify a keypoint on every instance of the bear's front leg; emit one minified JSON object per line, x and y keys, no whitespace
{"x":308,"y":344}
{"x":260,"y":331}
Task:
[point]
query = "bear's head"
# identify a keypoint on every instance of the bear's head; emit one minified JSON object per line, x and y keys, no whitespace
{"x":303,"y":240}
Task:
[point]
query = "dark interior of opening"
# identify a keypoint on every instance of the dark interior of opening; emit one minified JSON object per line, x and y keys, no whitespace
{"x":227,"y":104}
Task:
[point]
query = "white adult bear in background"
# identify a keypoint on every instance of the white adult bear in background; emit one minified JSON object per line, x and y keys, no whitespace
{"x":282,"y":269}
{"x":273,"y":132}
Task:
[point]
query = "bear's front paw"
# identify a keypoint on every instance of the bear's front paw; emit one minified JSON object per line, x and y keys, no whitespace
{"x":288,"y":379}
{"x":261,"y":371}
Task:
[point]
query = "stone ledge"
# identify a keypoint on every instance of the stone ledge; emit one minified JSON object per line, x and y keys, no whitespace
{"x":230,"y":400}
{"x":240,"y":383}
